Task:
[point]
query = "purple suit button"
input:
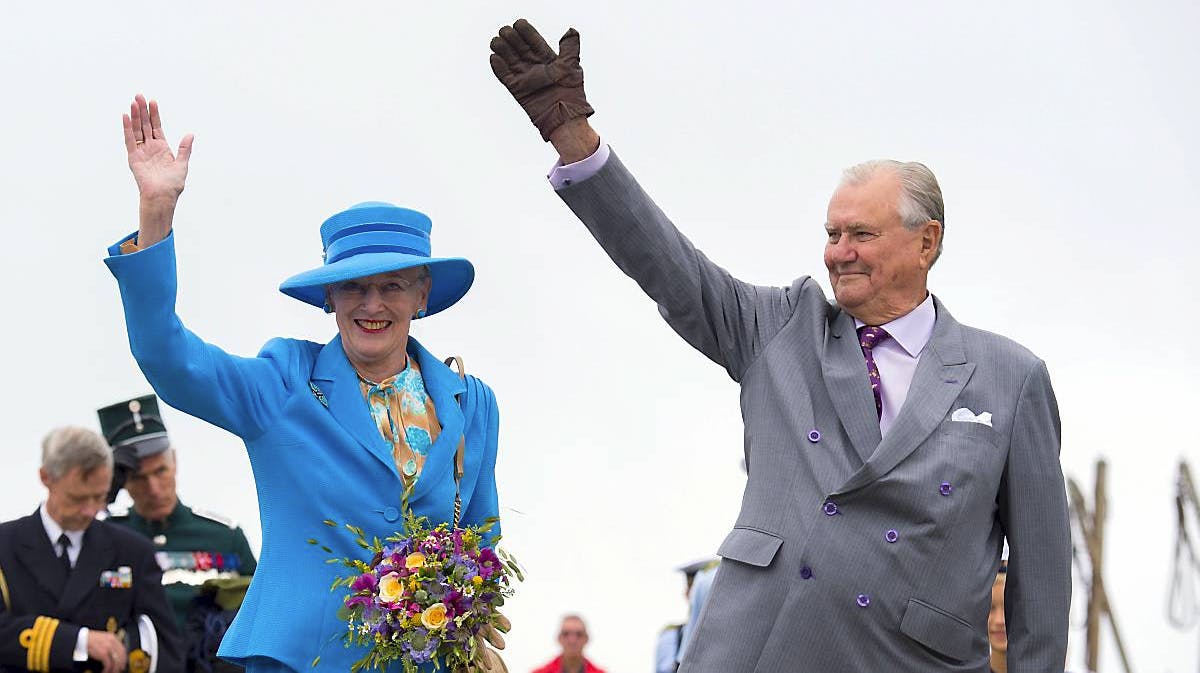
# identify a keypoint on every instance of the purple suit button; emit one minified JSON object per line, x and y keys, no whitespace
{"x":805,"y":572}
{"x":945,"y":488}
{"x":891,"y":535}
{"x":830,"y":508}
{"x":814,"y":435}
{"x":863,"y":600}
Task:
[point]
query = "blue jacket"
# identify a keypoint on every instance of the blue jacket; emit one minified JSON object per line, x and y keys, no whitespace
{"x":311,"y":462}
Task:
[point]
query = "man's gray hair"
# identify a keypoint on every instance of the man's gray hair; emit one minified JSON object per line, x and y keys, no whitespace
{"x":920,"y":195}
{"x":67,"y":448}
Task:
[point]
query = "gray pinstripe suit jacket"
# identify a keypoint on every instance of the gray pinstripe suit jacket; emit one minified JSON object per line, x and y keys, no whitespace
{"x":802,"y":589}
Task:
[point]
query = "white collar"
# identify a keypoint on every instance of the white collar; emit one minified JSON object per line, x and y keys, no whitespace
{"x":912,"y":330}
{"x":53,"y":530}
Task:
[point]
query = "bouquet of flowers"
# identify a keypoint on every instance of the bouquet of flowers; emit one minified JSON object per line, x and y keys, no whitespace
{"x":428,"y":594}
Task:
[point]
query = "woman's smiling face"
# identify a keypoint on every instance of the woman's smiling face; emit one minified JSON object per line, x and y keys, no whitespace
{"x":373,"y":315}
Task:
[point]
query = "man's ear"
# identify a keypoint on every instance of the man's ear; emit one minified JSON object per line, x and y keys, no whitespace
{"x":931,"y":240}
{"x":45,"y":477}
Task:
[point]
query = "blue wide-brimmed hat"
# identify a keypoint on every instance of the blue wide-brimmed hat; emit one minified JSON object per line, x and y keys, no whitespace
{"x":377,"y":237}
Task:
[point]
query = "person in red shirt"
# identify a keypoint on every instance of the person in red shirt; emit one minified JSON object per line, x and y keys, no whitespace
{"x":572,"y":638}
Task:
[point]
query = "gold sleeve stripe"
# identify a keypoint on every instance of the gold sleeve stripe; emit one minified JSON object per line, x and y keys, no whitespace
{"x":38,"y":657}
{"x":4,"y":592}
{"x":28,"y":639}
{"x":32,"y":657}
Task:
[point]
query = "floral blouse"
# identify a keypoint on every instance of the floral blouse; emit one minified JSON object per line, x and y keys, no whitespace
{"x":404,"y":413}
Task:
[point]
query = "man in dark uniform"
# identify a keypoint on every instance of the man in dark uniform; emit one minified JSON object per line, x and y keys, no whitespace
{"x":76,"y":593}
{"x":205,"y":557}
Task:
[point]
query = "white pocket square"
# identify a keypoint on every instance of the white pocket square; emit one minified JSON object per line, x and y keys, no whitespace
{"x":964,"y":415}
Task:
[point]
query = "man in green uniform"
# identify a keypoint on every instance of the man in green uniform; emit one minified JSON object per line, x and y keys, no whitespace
{"x":205,"y":558}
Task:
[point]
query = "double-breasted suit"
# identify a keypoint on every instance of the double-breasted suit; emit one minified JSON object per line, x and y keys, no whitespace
{"x":316,"y":454}
{"x":855,"y":552}
{"x":42,"y":607}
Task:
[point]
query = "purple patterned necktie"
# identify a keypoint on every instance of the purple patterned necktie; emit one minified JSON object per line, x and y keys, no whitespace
{"x":868,"y":339}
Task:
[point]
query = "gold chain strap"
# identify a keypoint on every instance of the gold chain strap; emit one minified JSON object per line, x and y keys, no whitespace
{"x":457,"y":363}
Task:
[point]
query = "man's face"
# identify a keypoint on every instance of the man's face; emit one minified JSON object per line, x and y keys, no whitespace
{"x":74,"y":498}
{"x":572,"y":636}
{"x":152,"y":487}
{"x":997,"y":635}
{"x":373,"y":314}
{"x":877,"y":266}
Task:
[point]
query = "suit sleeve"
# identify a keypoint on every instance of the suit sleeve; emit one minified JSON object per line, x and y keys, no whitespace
{"x":1033,"y":511}
{"x":36,"y":643}
{"x":728,"y":320}
{"x":234,"y":393}
{"x":150,"y":599}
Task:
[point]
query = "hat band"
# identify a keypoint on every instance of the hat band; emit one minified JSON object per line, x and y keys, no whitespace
{"x":376,"y":241}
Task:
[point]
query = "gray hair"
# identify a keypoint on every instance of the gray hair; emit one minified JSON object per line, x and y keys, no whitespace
{"x":920,"y":195}
{"x":67,"y":448}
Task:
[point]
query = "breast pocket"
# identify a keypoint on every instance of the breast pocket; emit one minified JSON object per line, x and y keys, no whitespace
{"x":971,"y":432}
{"x":973,"y":445}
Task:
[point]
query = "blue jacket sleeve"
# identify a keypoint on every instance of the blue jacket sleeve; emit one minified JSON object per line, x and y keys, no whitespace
{"x":200,"y":379}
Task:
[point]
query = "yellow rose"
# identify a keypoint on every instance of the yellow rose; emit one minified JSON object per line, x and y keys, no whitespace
{"x":391,"y":588}
{"x":477,"y":580}
{"x":414,"y":560}
{"x":434,"y":616}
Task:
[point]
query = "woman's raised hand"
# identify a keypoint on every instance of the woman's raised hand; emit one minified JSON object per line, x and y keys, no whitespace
{"x":159,"y":173}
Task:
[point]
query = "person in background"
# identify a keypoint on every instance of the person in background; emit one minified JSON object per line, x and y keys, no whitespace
{"x":201,"y":552}
{"x":670,"y":640}
{"x":572,"y":638}
{"x":76,"y":593}
{"x":997,"y":629}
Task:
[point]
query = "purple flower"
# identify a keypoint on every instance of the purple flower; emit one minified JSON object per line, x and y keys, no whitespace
{"x":365,"y":582}
{"x":364,"y":601}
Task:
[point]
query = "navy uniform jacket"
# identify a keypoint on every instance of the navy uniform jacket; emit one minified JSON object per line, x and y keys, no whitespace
{"x":44,"y":608}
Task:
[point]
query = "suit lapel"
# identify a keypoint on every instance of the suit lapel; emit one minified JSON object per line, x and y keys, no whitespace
{"x":845,"y":371}
{"x":95,"y":556}
{"x":443,"y":385}
{"x":338,"y":382}
{"x":37,"y":554}
{"x":941,"y":375}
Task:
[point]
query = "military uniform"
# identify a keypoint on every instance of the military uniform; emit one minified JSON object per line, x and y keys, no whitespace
{"x":192,"y":547}
{"x":43,"y":606}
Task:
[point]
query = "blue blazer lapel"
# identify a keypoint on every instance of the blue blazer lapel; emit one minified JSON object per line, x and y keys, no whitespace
{"x":338,"y":383}
{"x":941,"y":375}
{"x":845,"y":371}
{"x":443,"y":386}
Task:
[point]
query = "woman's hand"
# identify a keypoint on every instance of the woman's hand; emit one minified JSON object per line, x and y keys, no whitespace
{"x":160,"y":174}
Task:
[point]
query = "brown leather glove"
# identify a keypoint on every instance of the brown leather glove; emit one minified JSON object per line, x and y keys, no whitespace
{"x":548,"y":86}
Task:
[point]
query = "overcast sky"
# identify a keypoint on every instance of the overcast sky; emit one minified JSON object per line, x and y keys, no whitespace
{"x":1064,"y":136}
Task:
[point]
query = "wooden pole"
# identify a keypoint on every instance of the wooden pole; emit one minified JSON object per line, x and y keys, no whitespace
{"x":1091,"y":527}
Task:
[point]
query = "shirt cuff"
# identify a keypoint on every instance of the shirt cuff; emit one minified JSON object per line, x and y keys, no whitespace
{"x":81,"y":645}
{"x":566,"y":175}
